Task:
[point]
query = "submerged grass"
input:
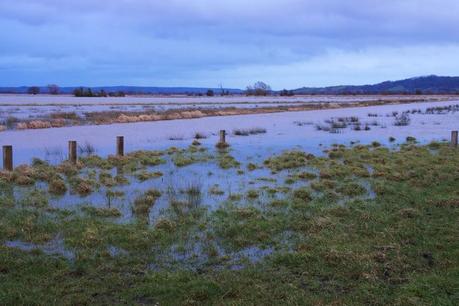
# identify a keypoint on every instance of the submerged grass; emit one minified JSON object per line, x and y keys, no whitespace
{"x":326,"y":242}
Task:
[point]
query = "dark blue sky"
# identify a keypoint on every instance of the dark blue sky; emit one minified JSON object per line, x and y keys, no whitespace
{"x":286,"y":43}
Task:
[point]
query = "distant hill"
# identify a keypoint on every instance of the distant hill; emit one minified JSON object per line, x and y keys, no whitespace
{"x":127,"y":89}
{"x":431,"y":84}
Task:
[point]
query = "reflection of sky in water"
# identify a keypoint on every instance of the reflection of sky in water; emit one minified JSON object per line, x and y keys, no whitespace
{"x":284,"y":130}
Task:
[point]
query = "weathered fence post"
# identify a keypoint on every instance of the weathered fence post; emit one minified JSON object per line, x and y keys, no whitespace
{"x":222,"y":142}
{"x":120,"y":145}
{"x":8,"y":158}
{"x":73,"y":151}
{"x":454,"y":135}
{"x":222,"y":136}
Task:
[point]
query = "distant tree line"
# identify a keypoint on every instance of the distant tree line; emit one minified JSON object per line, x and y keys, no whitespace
{"x":286,"y":93}
{"x":33,"y":90}
{"x":53,"y":89}
{"x":210,"y":93}
{"x":88,"y":92}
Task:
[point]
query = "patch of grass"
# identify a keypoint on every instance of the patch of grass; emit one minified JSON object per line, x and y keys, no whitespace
{"x":57,"y":187}
{"x":235,"y":197}
{"x":185,"y":158}
{"x":306,"y":175}
{"x":226,"y":161}
{"x":351,"y":189}
{"x":101,"y":212}
{"x":288,"y":160}
{"x":82,"y":186}
{"x":215,"y":190}
{"x":34,"y":198}
{"x":144,"y":175}
{"x":253,"y":194}
{"x":200,"y":135}
{"x":402,"y":120}
{"x":182,"y":160}
{"x":247,"y":132}
{"x":302,"y":194}
{"x":142,"y":204}
{"x":303,"y":248}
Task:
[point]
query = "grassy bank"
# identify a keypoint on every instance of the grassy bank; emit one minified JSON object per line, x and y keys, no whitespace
{"x":363,"y":225}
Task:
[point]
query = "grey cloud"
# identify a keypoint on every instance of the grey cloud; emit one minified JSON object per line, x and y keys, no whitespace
{"x":104,"y":40}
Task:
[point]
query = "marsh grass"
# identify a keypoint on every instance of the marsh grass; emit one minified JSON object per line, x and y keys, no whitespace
{"x":86,"y":149}
{"x":322,"y":244}
{"x":402,"y":120}
{"x":143,"y":203}
{"x":248,"y":132}
{"x":288,"y":160}
{"x":101,"y":212}
{"x":226,"y":161}
{"x":200,"y":135}
{"x":145,"y":175}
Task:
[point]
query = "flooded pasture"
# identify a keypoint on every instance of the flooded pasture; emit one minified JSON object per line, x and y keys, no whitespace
{"x":198,"y":175}
{"x":175,"y":202}
{"x":15,"y":108}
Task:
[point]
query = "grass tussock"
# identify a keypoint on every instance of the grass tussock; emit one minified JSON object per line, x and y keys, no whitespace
{"x":142,"y":204}
{"x":248,"y":132}
{"x":288,"y":160}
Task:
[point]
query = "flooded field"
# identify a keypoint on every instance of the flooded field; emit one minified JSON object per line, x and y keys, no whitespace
{"x":13,"y":100}
{"x":188,"y":166}
{"x":61,"y":111}
{"x":303,"y":130}
{"x":286,"y":184}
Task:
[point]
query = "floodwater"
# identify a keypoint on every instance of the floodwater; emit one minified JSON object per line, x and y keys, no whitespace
{"x":26,"y":107}
{"x":283,"y":131}
{"x":17,"y":100}
{"x":289,"y":130}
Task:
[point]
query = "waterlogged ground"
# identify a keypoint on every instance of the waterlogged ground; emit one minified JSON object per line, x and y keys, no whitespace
{"x":353,"y":206}
{"x":69,"y":110}
{"x":283,"y":131}
{"x":11,"y":99}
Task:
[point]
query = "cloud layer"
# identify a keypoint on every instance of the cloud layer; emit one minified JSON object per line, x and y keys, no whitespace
{"x":288,"y":43}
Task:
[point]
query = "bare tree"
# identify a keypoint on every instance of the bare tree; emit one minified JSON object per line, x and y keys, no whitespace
{"x":53,"y":89}
{"x":33,"y":90}
{"x":258,"y":89}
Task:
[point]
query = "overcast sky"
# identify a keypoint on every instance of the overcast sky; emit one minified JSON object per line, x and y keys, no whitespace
{"x":286,"y":43}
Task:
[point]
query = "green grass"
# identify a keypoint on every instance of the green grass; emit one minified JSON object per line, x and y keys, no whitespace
{"x":326,"y":243}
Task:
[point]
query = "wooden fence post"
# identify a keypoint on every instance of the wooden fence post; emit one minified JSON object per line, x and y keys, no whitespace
{"x":222,"y":142}
{"x":120,"y":145}
{"x":73,"y":151}
{"x":454,"y":139}
{"x":8,"y":158}
{"x":222,"y":136}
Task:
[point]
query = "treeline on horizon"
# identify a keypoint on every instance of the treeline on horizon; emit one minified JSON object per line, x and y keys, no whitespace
{"x":88,"y":92}
{"x":429,"y":85}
